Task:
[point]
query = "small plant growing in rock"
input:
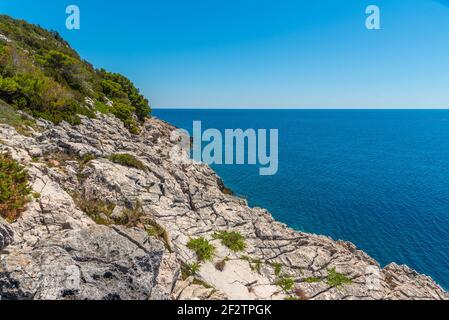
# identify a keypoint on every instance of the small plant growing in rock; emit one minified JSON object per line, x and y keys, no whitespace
{"x":84,"y":160}
{"x":99,"y":211}
{"x":257,"y":264}
{"x":203,"y":249}
{"x":154,"y":229}
{"x":192,"y":268}
{"x":36,"y":195}
{"x":285,"y":282}
{"x":277,"y":268}
{"x":233,"y":240}
{"x":127,"y":160}
{"x":312,"y":280}
{"x":254,"y":264}
{"x":335,"y":279}
{"x":130,"y":217}
{"x":189,"y":269}
{"x":14,"y":188}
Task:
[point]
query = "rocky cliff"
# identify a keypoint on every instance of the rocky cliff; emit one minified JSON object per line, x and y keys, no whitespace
{"x":98,"y":229}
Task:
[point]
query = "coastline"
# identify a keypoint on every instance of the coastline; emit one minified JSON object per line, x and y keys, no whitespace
{"x":381,"y":194}
{"x":184,"y":201}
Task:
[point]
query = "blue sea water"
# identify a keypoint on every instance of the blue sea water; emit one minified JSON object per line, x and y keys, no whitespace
{"x":377,"y":178}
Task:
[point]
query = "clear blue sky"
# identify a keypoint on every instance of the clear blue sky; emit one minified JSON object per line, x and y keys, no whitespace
{"x":263,"y":53}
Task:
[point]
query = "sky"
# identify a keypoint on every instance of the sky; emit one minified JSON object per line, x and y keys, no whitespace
{"x":262,"y":54}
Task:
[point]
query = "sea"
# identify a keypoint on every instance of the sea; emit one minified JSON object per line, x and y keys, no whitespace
{"x":377,"y":178}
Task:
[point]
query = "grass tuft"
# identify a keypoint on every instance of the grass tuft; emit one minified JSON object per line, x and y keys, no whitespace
{"x":285,"y":282}
{"x":277,"y":268}
{"x":335,"y":279}
{"x":189,"y":269}
{"x":99,"y":211}
{"x":233,"y":240}
{"x":312,"y":280}
{"x":203,"y":249}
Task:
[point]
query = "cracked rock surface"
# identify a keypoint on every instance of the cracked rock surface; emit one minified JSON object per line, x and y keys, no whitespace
{"x":56,"y":251}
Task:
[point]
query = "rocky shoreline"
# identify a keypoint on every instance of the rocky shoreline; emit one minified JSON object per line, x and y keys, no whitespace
{"x":55,"y":250}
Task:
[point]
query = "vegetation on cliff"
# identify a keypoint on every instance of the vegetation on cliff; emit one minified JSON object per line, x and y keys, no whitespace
{"x":42,"y":75}
{"x":14,"y":187}
{"x":127,"y":160}
{"x":233,"y":240}
{"x":203,"y":249}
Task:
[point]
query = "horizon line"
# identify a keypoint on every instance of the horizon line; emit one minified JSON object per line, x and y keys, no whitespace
{"x":298,"y":108}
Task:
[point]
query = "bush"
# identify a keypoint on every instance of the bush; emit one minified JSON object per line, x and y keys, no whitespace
{"x":125,"y":113}
{"x":11,"y":117}
{"x":42,"y":97}
{"x":14,"y":188}
{"x":102,"y":107}
{"x":335,"y":279}
{"x":115,"y":85}
{"x":233,"y":240}
{"x":41,"y":74}
{"x":203,"y":249}
{"x":127,"y":160}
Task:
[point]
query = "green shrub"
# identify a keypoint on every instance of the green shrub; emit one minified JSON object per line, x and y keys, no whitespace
{"x":154,"y":229}
{"x":41,"y":74}
{"x":10,"y":116}
{"x":122,"y":88}
{"x":14,"y":188}
{"x":127,"y":160}
{"x":335,"y":279}
{"x":112,"y":89}
{"x":125,"y":113}
{"x":233,"y":240}
{"x":203,"y":249}
{"x":42,"y":97}
{"x":102,"y":107}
